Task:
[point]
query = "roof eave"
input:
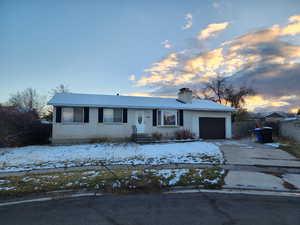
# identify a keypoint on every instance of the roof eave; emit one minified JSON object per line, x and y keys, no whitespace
{"x":142,"y":107}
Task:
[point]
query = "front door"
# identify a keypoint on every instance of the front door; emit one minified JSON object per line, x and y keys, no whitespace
{"x":139,"y":121}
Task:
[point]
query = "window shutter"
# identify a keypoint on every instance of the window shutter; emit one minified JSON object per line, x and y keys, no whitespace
{"x":124,"y":115}
{"x":100,"y":115}
{"x":181,"y":117}
{"x":86,"y":114}
{"x":58,"y":115}
{"x":154,"y":117}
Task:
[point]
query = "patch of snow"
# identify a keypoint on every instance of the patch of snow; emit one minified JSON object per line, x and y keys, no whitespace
{"x":116,"y":184}
{"x":69,"y":184}
{"x":4,"y":181}
{"x":49,"y":177}
{"x":214,"y":181}
{"x":91,"y":173}
{"x":275,"y":144}
{"x":42,"y":157}
{"x":7,"y":188}
{"x":290,"y":119}
{"x":227,"y":142}
{"x":166,"y":173}
{"x":30,"y":179}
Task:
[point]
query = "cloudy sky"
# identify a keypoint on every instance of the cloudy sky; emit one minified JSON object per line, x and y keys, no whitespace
{"x":152,"y":47}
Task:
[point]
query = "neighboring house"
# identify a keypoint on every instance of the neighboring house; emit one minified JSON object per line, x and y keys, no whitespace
{"x":86,"y":117}
{"x":273,"y":116}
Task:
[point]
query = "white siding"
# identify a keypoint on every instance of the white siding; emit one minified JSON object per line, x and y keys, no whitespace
{"x":64,"y":132}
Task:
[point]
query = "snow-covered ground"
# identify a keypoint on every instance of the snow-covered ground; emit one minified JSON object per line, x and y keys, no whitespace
{"x":275,"y":144}
{"x":40,"y":157}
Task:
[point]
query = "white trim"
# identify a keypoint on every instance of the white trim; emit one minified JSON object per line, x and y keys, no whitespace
{"x":162,"y":118}
{"x":71,"y":122}
{"x":111,"y":123}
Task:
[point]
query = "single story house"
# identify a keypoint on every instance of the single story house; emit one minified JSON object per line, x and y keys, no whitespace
{"x":272,"y":116}
{"x":86,"y":117}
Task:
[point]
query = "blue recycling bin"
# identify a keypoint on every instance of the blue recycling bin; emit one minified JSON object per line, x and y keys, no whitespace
{"x":258,"y":133}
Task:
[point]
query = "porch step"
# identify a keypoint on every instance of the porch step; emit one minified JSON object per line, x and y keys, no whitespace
{"x":144,"y":139}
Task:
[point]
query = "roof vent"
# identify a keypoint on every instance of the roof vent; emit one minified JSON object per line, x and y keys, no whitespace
{"x":185,"y":95}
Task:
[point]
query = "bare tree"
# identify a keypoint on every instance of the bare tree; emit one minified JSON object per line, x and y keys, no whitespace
{"x":48,"y":112}
{"x":236,"y":96}
{"x":214,"y":89}
{"x":220,"y":91}
{"x":28,"y":100}
{"x":60,"y":89}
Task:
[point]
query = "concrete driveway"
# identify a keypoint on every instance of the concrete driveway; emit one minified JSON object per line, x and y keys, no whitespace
{"x":247,"y":152}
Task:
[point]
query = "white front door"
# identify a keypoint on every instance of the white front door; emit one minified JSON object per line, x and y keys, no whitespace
{"x":139,"y":121}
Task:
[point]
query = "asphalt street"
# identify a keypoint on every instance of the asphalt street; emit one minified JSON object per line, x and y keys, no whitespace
{"x":157,"y":209}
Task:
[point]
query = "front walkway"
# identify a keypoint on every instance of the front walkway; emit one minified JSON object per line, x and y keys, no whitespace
{"x":247,"y":152}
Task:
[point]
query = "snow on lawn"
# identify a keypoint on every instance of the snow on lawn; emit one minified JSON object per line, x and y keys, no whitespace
{"x":275,"y":145}
{"x":40,"y":157}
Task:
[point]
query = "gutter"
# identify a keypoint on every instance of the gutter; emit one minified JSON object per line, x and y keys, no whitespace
{"x":143,"y":107}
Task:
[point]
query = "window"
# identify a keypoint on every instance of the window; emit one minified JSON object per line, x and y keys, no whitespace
{"x":108,"y":115}
{"x":167,"y":117}
{"x":78,"y":115}
{"x":118,"y":113}
{"x":72,"y":115}
{"x":112,"y":115}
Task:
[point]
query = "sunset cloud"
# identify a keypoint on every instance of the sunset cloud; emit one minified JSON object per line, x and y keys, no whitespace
{"x":131,"y":77}
{"x":215,"y":5}
{"x":188,"y":21}
{"x":262,"y":59}
{"x":166,"y":44}
{"x":258,"y":101}
{"x":295,"y":18}
{"x":207,"y":61}
{"x":164,"y":65}
{"x":154,"y":78}
{"x":211,"y":30}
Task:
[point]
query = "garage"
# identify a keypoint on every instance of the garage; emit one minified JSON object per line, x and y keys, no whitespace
{"x":211,"y":128}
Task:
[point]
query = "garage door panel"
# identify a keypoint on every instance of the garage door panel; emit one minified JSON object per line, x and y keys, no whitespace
{"x":212,"y":128}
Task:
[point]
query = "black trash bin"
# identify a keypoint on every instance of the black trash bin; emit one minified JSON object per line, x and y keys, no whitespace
{"x":266,"y":133}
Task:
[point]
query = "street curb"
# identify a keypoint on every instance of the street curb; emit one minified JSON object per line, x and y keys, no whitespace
{"x":178,"y":189}
{"x":260,"y":189}
{"x":237,"y":191}
{"x":64,"y":196}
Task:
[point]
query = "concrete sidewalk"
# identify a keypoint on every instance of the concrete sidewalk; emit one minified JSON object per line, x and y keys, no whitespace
{"x":247,"y":152}
{"x":262,"y":181}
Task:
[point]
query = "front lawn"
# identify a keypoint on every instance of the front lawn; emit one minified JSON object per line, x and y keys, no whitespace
{"x":116,"y":180}
{"x":292,"y":148}
{"x":41,"y":157}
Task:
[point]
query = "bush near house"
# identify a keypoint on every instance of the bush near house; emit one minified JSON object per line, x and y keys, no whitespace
{"x":20,"y":128}
{"x":157,"y":136}
{"x":184,"y":134}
